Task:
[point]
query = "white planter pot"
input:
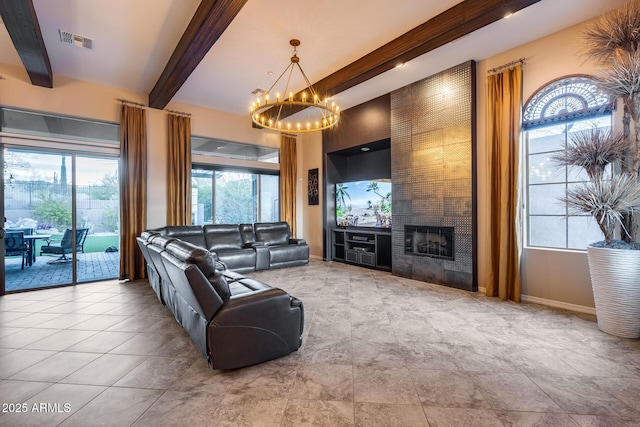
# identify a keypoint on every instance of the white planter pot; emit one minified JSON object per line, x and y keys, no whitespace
{"x":615,"y":280}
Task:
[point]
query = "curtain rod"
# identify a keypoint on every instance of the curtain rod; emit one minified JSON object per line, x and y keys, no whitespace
{"x":178,"y":112}
{"x":507,"y":65}
{"x":130,"y":102}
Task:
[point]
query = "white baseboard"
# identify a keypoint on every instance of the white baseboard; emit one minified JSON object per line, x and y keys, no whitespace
{"x":551,"y":303}
{"x":559,"y":304}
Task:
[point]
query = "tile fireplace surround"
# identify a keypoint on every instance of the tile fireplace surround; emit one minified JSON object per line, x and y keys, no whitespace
{"x":432,"y":170}
{"x":378,"y":350}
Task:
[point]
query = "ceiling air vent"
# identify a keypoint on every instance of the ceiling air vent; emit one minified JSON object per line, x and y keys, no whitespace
{"x":75,"y":39}
{"x":258,"y":90}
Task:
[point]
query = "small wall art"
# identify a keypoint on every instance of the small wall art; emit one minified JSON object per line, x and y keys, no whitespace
{"x":313,"y":187}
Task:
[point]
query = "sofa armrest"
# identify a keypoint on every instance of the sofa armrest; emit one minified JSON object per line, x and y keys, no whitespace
{"x":266,"y":303}
{"x":255,"y":327}
{"x":253,"y":244}
{"x":254,"y":307}
{"x":297,"y":242}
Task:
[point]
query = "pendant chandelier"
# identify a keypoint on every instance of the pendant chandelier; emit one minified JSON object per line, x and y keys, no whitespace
{"x":305,"y":111}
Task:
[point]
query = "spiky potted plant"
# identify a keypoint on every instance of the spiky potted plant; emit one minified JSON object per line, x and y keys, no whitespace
{"x":612,"y":195}
{"x":608,"y":195}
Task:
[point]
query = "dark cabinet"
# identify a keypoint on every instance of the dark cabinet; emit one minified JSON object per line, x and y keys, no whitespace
{"x":366,"y":248}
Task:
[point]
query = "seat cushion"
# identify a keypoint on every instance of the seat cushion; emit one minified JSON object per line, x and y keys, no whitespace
{"x":244,"y":286}
{"x":231,"y":276}
{"x":286,"y":253}
{"x":238,"y":259}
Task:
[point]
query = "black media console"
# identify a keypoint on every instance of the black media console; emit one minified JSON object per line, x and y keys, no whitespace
{"x":369,"y":248}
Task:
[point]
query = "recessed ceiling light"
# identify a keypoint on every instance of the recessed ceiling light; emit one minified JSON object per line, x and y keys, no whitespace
{"x":400,"y":65}
{"x":365,"y":149}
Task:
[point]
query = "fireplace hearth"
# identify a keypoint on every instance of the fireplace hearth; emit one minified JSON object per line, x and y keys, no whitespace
{"x":434,"y":242}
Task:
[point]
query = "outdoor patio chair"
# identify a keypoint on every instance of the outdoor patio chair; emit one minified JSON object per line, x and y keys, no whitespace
{"x":66,"y":245}
{"x":26,"y":231}
{"x":14,"y":245}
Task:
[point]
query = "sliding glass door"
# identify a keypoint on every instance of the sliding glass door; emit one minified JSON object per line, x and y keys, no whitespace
{"x":97,"y":204}
{"x":234,"y":197}
{"x":61,"y":219}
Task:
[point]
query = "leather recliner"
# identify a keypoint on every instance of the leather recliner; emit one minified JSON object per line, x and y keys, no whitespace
{"x":226,"y":240}
{"x":283,"y":250}
{"x":233,"y":324}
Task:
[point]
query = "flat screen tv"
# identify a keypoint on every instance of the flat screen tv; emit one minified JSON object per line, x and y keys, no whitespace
{"x":364,"y":203}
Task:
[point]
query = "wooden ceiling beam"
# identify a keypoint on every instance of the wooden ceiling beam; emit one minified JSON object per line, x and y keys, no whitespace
{"x":19,"y":17}
{"x":207,"y":25}
{"x":452,"y":24}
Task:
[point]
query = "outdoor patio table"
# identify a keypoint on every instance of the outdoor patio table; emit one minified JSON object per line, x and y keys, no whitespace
{"x":30,"y":239}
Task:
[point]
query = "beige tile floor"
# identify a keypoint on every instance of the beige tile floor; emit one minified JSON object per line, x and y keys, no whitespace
{"x":378,"y":351}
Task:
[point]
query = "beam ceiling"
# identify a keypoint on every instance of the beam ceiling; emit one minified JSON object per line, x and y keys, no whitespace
{"x":452,"y":24}
{"x":206,"y":26}
{"x":20,"y":18}
{"x":213,"y":17}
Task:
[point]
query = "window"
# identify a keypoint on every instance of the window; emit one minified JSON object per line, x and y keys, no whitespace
{"x":551,"y":116}
{"x":234,"y":182}
{"x":60,"y":174}
{"x":234,"y":197}
{"x":53,"y":126}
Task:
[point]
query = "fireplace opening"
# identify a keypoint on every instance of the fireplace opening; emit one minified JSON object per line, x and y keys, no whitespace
{"x":435,"y":242}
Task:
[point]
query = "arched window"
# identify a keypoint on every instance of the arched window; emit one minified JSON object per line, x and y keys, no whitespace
{"x":550,"y":117}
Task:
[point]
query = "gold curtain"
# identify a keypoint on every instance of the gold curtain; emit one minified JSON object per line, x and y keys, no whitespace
{"x":133,"y":190}
{"x":288,"y":173}
{"x":503,"y":130}
{"x":179,"y":171}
